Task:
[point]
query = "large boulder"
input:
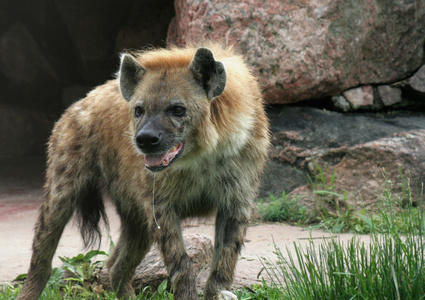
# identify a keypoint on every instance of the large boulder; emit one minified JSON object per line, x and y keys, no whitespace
{"x":24,"y":132}
{"x":360,"y":148}
{"x":310,"y":49}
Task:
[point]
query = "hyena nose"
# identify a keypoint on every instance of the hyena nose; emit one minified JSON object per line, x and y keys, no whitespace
{"x":148,"y":140}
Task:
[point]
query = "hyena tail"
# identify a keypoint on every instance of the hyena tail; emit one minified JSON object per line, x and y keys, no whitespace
{"x":90,"y":209}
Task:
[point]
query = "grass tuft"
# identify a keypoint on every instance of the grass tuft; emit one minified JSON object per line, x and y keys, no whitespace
{"x":388,"y":265}
{"x":284,"y":208}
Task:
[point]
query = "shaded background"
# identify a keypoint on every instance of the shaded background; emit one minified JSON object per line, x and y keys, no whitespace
{"x":53,"y":52}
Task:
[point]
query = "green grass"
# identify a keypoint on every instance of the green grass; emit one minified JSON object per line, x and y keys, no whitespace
{"x":390,"y":266}
{"x":73,"y":291}
{"x":76,"y":280}
{"x":333,"y":212}
{"x":284,"y":208}
{"x":260,"y":292}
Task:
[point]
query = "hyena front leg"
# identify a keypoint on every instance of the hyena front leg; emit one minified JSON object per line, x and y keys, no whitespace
{"x":54,"y":215}
{"x":176,"y":259}
{"x":134,"y":242}
{"x":229,"y":237}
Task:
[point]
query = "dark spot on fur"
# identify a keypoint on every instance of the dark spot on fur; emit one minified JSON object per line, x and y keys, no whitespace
{"x":73,"y":127}
{"x":111,"y":160}
{"x":60,"y":187}
{"x":238,"y":246}
{"x":41,"y":222}
{"x":163,"y":79}
{"x":228,"y":182}
{"x":176,"y":263}
{"x":60,"y":170}
{"x":221,"y":162}
{"x":231,"y":234}
{"x":218,"y":276}
{"x":37,"y":237}
{"x":76,"y":147}
{"x":162,"y":243}
{"x":61,"y":152}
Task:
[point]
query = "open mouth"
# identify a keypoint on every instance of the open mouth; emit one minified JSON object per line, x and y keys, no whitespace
{"x":157,"y":162}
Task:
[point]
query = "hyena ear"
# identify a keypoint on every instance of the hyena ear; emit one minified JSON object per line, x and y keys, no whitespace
{"x":129,"y":75}
{"x":209,"y":72}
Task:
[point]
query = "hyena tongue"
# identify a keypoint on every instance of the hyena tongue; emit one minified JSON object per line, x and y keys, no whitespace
{"x":152,"y":160}
{"x":155,"y":160}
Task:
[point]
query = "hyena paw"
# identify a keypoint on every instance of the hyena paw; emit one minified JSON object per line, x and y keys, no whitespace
{"x":226,"y":295}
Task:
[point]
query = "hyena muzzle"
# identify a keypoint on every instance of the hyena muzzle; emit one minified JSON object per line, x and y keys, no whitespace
{"x":189,"y":121}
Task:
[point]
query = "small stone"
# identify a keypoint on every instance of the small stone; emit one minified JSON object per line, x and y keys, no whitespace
{"x":359,"y":97}
{"x":341,"y":103}
{"x":389,"y":95}
{"x":226,"y":295}
{"x":417,"y":81}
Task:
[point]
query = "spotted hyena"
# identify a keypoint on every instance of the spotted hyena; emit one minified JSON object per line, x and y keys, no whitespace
{"x":185,"y":124}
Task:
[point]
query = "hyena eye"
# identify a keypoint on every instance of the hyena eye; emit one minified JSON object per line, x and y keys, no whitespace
{"x":178,"y":110}
{"x":138,"y":111}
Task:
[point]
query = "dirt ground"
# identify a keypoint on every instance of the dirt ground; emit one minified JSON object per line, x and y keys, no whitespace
{"x":21,"y":183}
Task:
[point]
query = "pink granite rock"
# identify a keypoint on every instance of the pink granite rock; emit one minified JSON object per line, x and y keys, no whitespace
{"x":310,"y":49}
{"x":361,"y":96}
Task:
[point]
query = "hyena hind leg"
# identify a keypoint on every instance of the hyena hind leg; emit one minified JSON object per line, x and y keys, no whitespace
{"x":134,"y":242}
{"x":54,"y":214}
{"x":49,"y":227}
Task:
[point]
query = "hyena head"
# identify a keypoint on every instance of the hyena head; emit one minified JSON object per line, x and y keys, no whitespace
{"x":169,"y":103}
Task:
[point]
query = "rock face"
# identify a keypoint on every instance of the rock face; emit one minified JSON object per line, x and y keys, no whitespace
{"x":310,"y":49}
{"x":357,"y":146}
{"x":152,"y":272}
{"x":49,"y":45}
{"x":23,"y":132}
{"x":24,"y":63}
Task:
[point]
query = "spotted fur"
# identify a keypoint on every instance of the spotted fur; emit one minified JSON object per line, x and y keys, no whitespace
{"x":94,"y":147}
